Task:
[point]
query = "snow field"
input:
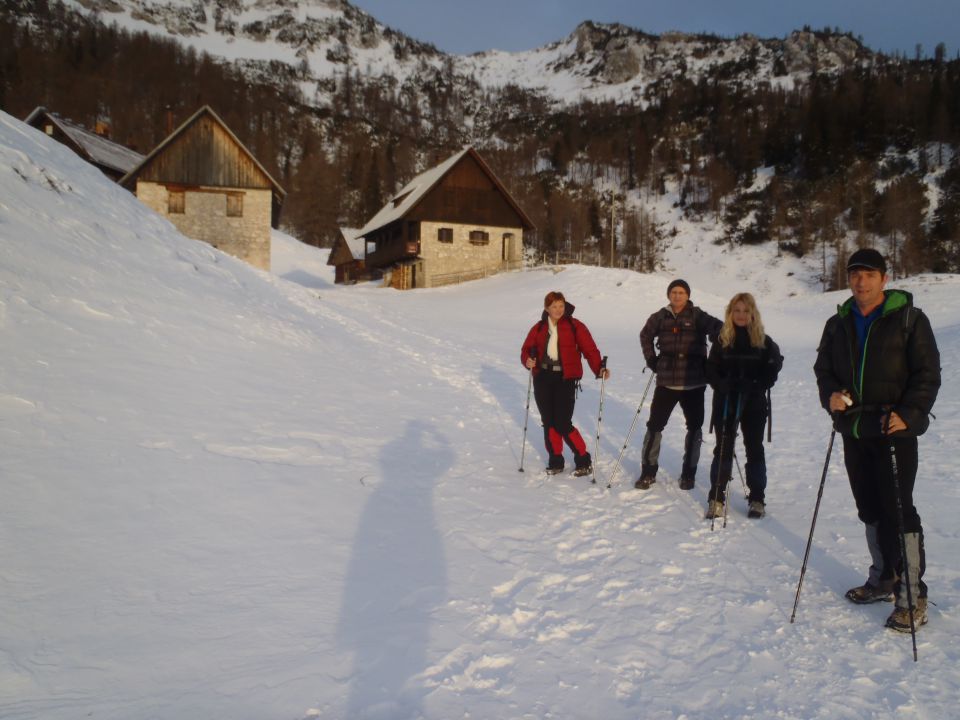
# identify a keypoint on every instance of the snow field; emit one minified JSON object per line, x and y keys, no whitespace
{"x":228,"y":493}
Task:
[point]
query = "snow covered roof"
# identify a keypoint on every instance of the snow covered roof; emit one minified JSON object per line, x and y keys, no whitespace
{"x":414,"y":191}
{"x":95,"y":148}
{"x":355,"y":242}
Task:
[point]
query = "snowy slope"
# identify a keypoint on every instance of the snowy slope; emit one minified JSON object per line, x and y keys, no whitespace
{"x":241,"y":495}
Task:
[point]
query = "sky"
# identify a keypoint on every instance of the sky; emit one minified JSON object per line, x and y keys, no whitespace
{"x":467,"y":27}
{"x":232,"y":493}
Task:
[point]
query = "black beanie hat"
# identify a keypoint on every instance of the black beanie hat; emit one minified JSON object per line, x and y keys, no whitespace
{"x":678,"y":283}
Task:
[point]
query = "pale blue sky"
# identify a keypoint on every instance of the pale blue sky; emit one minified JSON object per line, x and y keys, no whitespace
{"x":463,"y":27}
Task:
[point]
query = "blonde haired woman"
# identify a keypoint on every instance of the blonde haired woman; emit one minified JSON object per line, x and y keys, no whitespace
{"x":741,"y":367}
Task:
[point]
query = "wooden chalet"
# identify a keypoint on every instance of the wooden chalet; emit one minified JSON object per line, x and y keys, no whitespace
{"x":454,"y":222}
{"x":209,"y":185}
{"x":113,"y":160}
{"x":348,"y":257}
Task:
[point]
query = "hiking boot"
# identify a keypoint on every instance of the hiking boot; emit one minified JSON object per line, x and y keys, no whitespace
{"x":714,"y":510}
{"x":645,"y":481}
{"x":870,"y":593}
{"x":554,"y":470}
{"x":687,"y":482}
{"x":899,"y":619}
{"x":581,"y":471}
{"x":755,"y":509}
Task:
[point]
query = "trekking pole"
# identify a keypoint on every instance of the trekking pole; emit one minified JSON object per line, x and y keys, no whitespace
{"x":523,"y":446}
{"x":769,"y":417}
{"x":743,"y":483}
{"x":632,"y":426}
{"x":596,"y":447}
{"x":733,"y":452}
{"x":903,"y":538}
{"x":723,"y":441}
{"x":816,"y":509}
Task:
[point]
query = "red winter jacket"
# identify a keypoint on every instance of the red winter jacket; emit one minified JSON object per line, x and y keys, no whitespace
{"x":574,"y":340}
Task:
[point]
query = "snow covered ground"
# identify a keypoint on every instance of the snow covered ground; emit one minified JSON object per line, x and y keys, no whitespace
{"x":233,"y":494}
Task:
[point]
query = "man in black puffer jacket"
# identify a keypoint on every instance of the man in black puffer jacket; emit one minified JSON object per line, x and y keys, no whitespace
{"x":878,"y":373}
{"x":680,"y":332}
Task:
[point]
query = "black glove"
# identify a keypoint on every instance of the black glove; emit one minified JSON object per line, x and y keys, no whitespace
{"x":652,"y":362}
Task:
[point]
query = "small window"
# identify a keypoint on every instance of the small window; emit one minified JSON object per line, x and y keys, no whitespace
{"x":445,"y":235}
{"x":176,"y":202}
{"x":479,"y":237}
{"x":235,"y":205}
{"x":48,"y":129}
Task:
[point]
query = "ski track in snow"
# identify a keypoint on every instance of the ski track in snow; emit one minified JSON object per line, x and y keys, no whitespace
{"x":597,"y":567}
{"x":594,"y":533}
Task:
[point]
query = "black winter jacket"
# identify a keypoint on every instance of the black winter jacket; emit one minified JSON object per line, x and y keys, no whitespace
{"x":681,"y":340}
{"x":745,"y":371}
{"x":900,"y":367}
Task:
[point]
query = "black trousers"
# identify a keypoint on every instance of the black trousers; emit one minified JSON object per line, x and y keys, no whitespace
{"x":665,"y":400}
{"x":753,"y":421}
{"x":555,"y":399}
{"x":870,"y":470}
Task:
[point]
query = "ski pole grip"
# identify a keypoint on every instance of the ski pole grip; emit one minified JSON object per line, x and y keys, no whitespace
{"x":603,"y":365}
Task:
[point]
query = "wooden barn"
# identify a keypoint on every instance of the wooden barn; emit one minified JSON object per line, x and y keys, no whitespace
{"x":348,"y":257}
{"x":211,"y":188}
{"x":96,"y":148}
{"x":454,"y":222}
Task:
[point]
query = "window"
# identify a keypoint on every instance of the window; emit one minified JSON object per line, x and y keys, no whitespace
{"x":176,"y":202}
{"x":235,"y":205}
{"x":479,"y":237}
{"x":445,"y":235}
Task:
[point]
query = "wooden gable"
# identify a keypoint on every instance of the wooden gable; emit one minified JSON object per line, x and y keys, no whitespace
{"x":205,"y":154}
{"x":340,"y":253}
{"x":468,"y":193}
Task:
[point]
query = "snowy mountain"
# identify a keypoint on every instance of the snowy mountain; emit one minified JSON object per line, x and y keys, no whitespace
{"x":321,"y":40}
{"x":241,"y":495}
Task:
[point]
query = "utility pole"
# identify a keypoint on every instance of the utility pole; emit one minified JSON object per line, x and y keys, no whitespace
{"x":613,"y":201}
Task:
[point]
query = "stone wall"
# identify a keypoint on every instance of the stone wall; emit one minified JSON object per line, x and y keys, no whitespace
{"x":205,"y":218}
{"x":446,"y":263}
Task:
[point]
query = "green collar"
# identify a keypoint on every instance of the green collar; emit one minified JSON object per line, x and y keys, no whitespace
{"x":893,"y":301}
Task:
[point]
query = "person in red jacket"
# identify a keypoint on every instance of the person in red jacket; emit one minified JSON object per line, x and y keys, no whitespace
{"x":552,"y":352}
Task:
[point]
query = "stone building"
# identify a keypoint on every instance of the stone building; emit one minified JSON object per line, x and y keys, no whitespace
{"x":211,"y":188}
{"x":113,"y":160}
{"x":454,"y":222}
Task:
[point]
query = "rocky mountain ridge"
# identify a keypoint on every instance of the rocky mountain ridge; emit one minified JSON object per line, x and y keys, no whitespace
{"x":325,"y":39}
